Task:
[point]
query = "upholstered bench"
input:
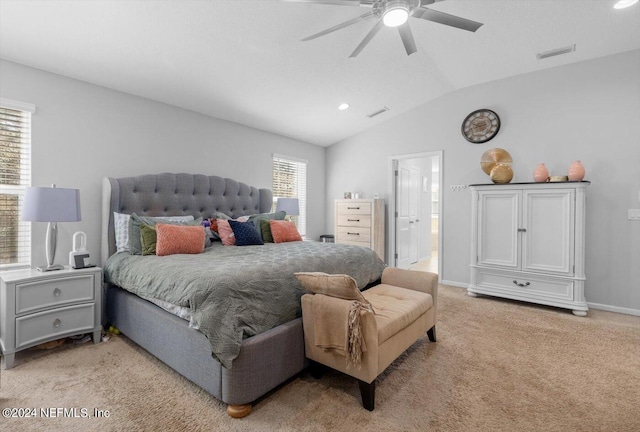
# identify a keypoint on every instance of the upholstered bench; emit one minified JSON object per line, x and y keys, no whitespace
{"x":362,"y":333}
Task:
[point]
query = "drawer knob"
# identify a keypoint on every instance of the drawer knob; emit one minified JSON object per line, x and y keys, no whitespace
{"x":350,"y":233}
{"x":353,"y":208}
{"x":521,"y":285}
{"x":353,"y":220}
{"x":56,"y":323}
{"x":57,"y":292}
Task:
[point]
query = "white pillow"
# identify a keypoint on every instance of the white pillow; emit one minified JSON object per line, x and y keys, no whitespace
{"x":121,"y":227}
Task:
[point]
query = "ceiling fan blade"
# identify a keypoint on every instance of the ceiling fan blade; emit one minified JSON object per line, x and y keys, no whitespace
{"x":336,"y":2}
{"x":446,"y":19}
{"x":362,"y":17}
{"x":407,"y":38}
{"x":376,"y":28}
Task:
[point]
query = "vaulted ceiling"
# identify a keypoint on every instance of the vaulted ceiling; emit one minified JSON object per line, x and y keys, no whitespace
{"x":244,"y":61}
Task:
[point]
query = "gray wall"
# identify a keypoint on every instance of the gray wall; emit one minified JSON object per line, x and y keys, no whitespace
{"x":588,"y":111}
{"x":83,"y":132}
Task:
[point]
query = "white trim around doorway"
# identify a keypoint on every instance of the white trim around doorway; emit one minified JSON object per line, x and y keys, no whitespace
{"x":391,"y":207}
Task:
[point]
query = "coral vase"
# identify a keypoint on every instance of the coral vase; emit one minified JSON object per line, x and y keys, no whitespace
{"x":541,"y":173}
{"x":576,"y":171}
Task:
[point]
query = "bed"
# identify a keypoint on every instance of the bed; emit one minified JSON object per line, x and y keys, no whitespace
{"x":235,"y":360}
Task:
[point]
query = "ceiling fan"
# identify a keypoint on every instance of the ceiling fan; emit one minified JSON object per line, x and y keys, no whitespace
{"x":393,"y":13}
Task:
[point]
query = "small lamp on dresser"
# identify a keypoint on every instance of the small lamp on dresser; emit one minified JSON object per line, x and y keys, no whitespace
{"x":52,"y":205}
{"x":289,"y":205}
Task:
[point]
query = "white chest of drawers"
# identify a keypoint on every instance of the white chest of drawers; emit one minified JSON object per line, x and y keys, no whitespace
{"x":360,"y":222}
{"x":38,"y":307}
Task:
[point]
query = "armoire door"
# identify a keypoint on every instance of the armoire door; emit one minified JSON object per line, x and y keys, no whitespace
{"x":548,"y":231}
{"x":498,"y":224}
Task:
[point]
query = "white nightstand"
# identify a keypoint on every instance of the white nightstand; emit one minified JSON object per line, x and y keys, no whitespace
{"x":37,"y":307}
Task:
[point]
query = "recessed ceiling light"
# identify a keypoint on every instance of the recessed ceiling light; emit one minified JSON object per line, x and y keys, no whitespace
{"x":621,"y":4}
{"x":343,"y":106}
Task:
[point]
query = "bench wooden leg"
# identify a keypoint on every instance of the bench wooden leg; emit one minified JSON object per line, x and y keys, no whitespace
{"x":368,"y":393}
{"x":316,"y":369}
{"x":432,"y":334}
{"x":238,"y":411}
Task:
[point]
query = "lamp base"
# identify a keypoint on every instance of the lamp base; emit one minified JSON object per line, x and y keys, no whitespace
{"x":50,"y":268}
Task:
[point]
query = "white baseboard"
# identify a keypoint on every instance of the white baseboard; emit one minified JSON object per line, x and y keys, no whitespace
{"x":608,"y":308}
{"x":617,"y":309}
{"x":455,"y":284}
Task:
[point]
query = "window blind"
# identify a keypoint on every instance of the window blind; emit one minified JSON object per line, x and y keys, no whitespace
{"x":15,"y":177}
{"x":290,"y":181}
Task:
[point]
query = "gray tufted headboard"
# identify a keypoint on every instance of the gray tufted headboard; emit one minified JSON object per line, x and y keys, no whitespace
{"x":174,"y":195}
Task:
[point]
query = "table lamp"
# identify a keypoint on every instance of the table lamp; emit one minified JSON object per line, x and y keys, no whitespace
{"x":289,"y":205}
{"x":52,"y":205}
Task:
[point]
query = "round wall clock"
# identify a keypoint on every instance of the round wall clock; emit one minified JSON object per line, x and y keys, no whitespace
{"x":480,"y":126}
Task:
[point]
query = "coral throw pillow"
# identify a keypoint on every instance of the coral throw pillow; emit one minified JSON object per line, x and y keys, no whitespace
{"x":226,"y":233}
{"x":284,"y":231}
{"x":177,"y":239}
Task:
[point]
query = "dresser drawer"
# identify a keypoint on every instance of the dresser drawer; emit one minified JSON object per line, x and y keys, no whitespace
{"x":345,"y":208}
{"x":526,"y":285}
{"x":57,"y":323}
{"x":356,"y":243}
{"x":354,"y":234}
{"x":354,"y":220}
{"x":45,"y":294}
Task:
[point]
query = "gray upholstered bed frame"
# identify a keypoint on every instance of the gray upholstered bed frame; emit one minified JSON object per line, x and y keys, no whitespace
{"x":265,"y":360}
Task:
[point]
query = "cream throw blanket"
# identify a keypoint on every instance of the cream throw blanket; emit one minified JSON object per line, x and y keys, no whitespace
{"x":338,"y":326}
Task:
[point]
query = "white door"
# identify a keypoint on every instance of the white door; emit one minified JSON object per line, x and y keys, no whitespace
{"x":414,"y":220}
{"x":406,"y":214}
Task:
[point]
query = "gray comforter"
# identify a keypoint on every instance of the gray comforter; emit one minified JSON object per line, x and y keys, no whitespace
{"x":238,"y":292}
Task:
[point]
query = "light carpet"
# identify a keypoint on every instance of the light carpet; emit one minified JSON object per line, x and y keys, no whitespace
{"x":497,"y":366}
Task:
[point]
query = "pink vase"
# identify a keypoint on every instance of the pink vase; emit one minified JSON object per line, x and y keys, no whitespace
{"x":541,"y":173}
{"x":576,"y":171}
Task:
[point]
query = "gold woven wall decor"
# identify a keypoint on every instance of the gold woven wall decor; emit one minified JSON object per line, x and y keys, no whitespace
{"x":496,"y":163}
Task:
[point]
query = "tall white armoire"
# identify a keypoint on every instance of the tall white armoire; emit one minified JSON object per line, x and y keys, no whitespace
{"x":527,"y":243}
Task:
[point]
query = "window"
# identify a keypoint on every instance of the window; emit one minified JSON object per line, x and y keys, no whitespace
{"x":290,"y":181}
{"x":15,"y":177}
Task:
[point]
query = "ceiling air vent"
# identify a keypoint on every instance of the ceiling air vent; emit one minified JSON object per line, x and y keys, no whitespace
{"x":555,"y":52}
{"x":380,"y":111}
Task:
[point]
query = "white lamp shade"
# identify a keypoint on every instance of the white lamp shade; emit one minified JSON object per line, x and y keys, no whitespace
{"x":289,"y":206}
{"x":43,"y":204}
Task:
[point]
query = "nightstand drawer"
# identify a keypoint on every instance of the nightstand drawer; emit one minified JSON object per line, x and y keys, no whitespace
{"x":354,"y":220}
{"x":353,"y":234}
{"x":34,"y":328}
{"x":354,"y":208}
{"x":44,"y":294}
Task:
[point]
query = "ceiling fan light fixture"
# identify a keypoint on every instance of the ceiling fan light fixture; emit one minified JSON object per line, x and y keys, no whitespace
{"x":395,"y":16}
{"x":624,"y":4}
